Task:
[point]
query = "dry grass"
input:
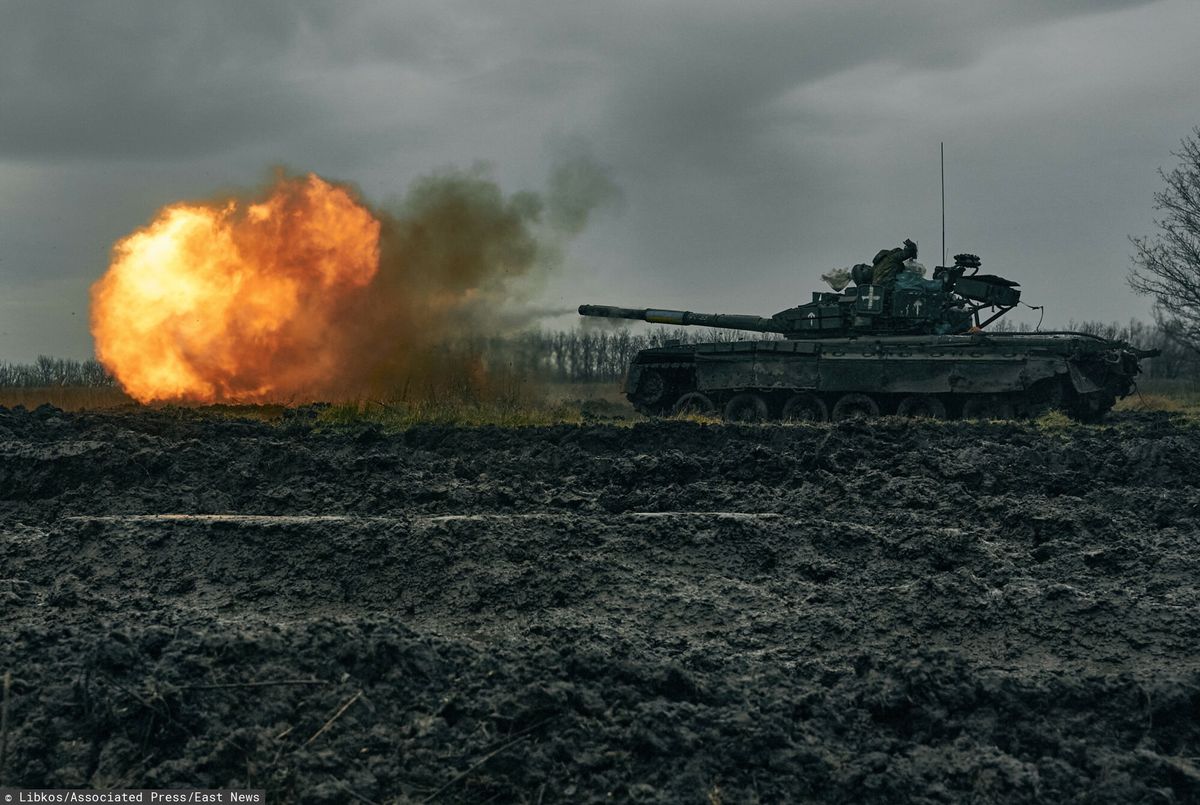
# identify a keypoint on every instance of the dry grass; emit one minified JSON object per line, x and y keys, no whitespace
{"x":1155,"y":402}
{"x":1178,"y":397}
{"x":516,"y":406}
{"x":401,"y":415}
{"x":508,"y":405}
{"x":68,"y":398}
{"x":590,"y":392}
{"x":701,"y":419}
{"x":1054,"y":420}
{"x":513,"y":405}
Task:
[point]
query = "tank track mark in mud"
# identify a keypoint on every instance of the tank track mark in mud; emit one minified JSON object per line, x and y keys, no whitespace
{"x":972,"y":376}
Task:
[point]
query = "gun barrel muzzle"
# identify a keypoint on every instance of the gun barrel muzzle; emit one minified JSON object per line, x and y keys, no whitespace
{"x":609,"y":312}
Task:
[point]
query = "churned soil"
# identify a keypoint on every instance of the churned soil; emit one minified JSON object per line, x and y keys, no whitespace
{"x":665,"y":612}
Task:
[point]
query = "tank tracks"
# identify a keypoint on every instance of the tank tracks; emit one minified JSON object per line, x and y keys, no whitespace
{"x":658,"y":397}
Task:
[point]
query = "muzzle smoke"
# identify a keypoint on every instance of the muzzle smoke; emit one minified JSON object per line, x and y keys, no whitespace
{"x":302,"y":290}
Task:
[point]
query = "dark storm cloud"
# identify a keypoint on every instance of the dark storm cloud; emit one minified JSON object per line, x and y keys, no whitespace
{"x":153,"y":79}
{"x":689,"y":76}
{"x":692,"y":111}
{"x":765,"y":140}
{"x":166,"y":79}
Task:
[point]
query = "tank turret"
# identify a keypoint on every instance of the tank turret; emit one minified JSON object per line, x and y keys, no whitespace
{"x":949,"y":303}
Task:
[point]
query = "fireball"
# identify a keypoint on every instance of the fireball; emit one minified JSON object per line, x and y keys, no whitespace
{"x":236,"y":300}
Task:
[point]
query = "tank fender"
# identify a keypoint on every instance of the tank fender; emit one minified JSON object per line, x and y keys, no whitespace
{"x":1082,"y":383}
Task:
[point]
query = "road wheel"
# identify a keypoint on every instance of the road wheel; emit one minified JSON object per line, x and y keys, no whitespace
{"x":693,"y":403}
{"x":988,"y":406}
{"x":652,"y":387}
{"x":855,"y":406}
{"x":805,"y":407}
{"x":747,"y":407}
{"x":921,"y":405}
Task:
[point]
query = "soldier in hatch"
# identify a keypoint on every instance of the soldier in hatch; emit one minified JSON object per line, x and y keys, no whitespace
{"x":887,"y":264}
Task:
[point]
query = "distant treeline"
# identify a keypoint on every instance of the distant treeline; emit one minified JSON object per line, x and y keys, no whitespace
{"x":596,"y":355}
{"x":54,"y":372}
{"x":587,"y":355}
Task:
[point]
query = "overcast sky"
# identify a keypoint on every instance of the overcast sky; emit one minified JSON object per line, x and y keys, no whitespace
{"x":756,"y":144}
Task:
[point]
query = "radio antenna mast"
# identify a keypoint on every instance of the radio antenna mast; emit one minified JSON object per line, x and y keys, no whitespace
{"x":943,"y":156}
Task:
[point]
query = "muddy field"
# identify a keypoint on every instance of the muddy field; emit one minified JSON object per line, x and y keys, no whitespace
{"x":669,"y":612}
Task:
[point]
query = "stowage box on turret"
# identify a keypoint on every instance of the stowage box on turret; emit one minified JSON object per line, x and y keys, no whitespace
{"x":892,"y":343}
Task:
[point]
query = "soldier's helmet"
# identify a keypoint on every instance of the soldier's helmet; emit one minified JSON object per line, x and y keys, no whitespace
{"x":861,"y":274}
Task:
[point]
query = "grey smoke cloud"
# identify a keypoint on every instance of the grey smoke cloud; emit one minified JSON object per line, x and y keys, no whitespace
{"x":578,"y":186}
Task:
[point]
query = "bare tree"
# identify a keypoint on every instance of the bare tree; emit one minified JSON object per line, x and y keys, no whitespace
{"x":1167,"y":265}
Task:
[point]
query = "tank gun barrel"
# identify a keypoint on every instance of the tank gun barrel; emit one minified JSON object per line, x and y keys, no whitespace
{"x":726,"y":321}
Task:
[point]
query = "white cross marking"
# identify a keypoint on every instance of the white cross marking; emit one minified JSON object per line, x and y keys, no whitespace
{"x":871,"y":297}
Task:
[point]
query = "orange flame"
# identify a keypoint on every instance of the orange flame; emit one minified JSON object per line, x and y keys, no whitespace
{"x":233,"y":300}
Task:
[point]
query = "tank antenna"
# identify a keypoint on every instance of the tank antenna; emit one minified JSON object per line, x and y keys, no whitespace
{"x":943,"y":156}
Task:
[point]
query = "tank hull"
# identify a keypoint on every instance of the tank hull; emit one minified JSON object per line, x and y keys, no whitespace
{"x":949,"y":375}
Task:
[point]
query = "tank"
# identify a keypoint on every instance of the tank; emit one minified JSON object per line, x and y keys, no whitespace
{"x":906,"y":346}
